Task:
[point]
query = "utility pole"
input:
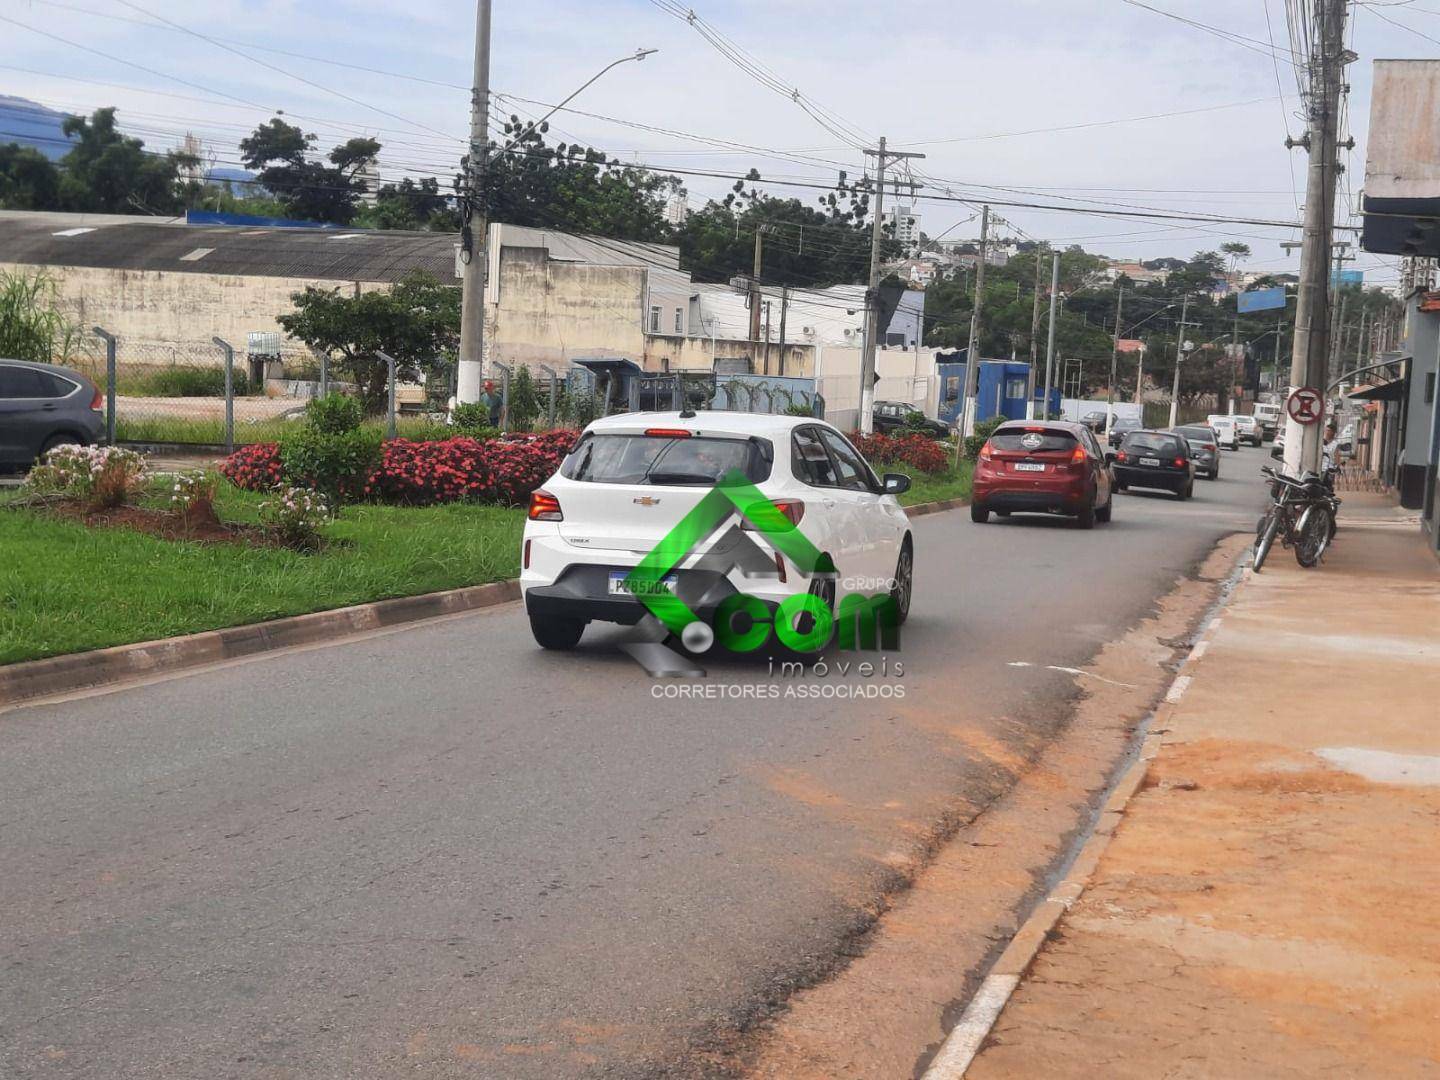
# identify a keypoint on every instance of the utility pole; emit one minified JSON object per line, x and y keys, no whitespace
{"x":755,"y":287}
{"x":1114,"y":364}
{"x":1050,"y":345}
{"x":1326,"y":69}
{"x":1179,"y":358}
{"x":766,"y":365}
{"x":872,"y":295}
{"x":784,"y":310}
{"x":972,"y":349}
{"x":1034,"y":339}
{"x":473,"y":248}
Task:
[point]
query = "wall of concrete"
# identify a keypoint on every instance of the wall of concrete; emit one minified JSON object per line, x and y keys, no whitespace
{"x":698,"y":354}
{"x":905,"y":375}
{"x":155,"y":311}
{"x":541,"y":311}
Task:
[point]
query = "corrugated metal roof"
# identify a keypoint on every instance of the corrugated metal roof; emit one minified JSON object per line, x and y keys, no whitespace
{"x":143,"y":244}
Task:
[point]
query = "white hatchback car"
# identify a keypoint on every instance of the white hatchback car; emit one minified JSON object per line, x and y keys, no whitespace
{"x":631,"y":478}
{"x":1226,"y":432}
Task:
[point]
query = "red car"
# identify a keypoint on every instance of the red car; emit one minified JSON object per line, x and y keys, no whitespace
{"x":1047,"y":467}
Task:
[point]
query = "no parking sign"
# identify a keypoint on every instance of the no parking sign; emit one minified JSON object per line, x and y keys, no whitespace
{"x":1306,"y":405}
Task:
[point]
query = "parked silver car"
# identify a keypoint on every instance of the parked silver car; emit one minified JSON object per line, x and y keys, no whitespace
{"x":43,"y":406}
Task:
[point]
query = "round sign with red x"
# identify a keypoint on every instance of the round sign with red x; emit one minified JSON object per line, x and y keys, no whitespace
{"x":1306,"y":405}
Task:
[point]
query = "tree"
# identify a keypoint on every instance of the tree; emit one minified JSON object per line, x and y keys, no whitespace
{"x":417,"y":322}
{"x":309,"y":190}
{"x":410,"y":205}
{"x":574,"y":188}
{"x":106,"y":172}
{"x":28,"y":179}
{"x":1236,"y":252}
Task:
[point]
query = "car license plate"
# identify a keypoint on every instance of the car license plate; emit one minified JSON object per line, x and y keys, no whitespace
{"x":619,"y":588}
{"x":1150,"y":461}
{"x":1029,"y":466}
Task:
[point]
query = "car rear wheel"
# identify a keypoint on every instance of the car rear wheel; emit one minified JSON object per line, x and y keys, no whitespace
{"x":979,"y":514}
{"x":58,"y":440}
{"x":558,"y":634}
{"x":1102,"y":515}
{"x":1186,"y":491}
{"x":1086,"y":518}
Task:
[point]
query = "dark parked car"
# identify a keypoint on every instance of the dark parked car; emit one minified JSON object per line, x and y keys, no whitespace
{"x":1095,"y":421}
{"x":1051,"y":467}
{"x":1122,"y":427}
{"x":890,"y":417}
{"x":1155,"y":459}
{"x":1204,"y":448}
{"x":43,"y":406}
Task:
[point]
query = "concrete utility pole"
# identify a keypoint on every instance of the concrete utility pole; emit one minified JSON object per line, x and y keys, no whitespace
{"x":755,"y":286}
{"x":1326,"y":70}
{"x":1179,"y":358}
{"x":1050,"y":344}
{"x":972,"y":348}
{"x":471,"y":374}
{"x":872,"y":295}
{"x":784,"y":309}
{"x":1114,"y":364}
{"x":1034,"y":339}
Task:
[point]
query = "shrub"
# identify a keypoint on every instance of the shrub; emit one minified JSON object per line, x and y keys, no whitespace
{"x":524,"y":404}
{"x":473,"y":418}
{"x":336,"y":465}
{"x":799,"y":410}
{"x":918,"y":451}
{"x":918,"y":422}
{"x":253,"y":468}
{"x":503,"y":471}
{"x":333,"y":414}
{"x":192,"y":497}
{"x":295,"y":517}
{"x":99,"y":476}
{"x":983,"y":431}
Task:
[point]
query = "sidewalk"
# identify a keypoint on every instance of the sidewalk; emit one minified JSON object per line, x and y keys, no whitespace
{"x":1269,"y":905}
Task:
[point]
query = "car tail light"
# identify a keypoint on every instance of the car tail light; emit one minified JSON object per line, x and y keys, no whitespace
{"x":1208,"y":446}
{"x":1078,"y":457}
{"x":525,"y":561}
{"x":97,"y":403}
{"x":668,"y":433}
{"x":545,"y":507}
{"x":1120,"y":456}
{"x":791,"y":509}
{"x":1179,"y":462}
{"x":986,"y":451}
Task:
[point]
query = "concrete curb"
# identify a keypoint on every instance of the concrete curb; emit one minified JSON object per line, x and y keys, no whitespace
{"x":921,"y":509}
{"x":82,"y":671}
{"x":968,"y":1035}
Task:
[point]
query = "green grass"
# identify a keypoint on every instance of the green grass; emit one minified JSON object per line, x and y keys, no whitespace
{"x":932,"y":487}
{"x":65,"y":588}
{"x":130,"y":429}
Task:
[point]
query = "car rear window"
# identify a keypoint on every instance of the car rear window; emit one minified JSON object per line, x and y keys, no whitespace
{"x":1027,"y":442}
{"x":1199,"y":434}
{"x":1148,"y":440}
{"x":648,"y":459}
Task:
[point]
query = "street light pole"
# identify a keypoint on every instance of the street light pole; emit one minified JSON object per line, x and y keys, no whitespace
{"x":1050,"y":343}
{"x":473,"y":247}
{"x":1114,"y":362}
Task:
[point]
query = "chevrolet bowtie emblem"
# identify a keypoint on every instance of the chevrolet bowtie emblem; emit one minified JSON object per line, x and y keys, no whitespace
{"x":646,"y":500}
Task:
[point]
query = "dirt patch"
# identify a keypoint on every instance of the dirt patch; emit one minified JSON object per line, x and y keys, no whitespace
{"x":199,"y":528}
{"x":886,"y":1012}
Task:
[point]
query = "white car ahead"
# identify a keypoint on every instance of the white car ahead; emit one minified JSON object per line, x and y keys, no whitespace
{"x":1248,"y":428}
{"x":631,"y":478}
{"x":1225,"y":431}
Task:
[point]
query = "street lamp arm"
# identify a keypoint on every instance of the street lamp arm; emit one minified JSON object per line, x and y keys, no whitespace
{"x":639,"y":54}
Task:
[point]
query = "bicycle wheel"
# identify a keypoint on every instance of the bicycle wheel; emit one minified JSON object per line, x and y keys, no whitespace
{"x":1265,"y":537}
{"x":1313,"y":535}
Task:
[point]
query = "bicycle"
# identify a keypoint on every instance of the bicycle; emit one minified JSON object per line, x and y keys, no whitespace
{"x":1302,"y":514}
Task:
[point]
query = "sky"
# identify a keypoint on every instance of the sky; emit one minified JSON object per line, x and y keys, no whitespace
{"x":1160,"y":114}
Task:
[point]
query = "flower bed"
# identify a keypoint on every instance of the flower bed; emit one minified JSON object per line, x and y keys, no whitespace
{"x":918,"y":451}
{"x":503,"y":471}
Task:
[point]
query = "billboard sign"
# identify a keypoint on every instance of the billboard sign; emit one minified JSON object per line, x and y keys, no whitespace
{"x":1261,"y":299}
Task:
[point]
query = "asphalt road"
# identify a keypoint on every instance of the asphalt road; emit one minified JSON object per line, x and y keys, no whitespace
{"x":439,"y":851}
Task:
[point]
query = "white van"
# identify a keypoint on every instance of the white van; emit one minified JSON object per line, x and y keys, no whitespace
{"x":1226,"y":433}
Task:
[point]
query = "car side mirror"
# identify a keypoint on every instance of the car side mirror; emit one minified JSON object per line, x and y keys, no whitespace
{"x":896,"y":483}
{"x":1109,"y":457}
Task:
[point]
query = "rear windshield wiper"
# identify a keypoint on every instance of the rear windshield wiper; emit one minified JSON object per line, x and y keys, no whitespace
{"x":680,"y":478}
